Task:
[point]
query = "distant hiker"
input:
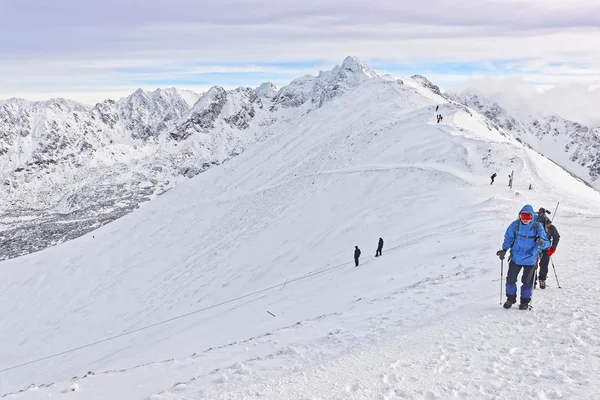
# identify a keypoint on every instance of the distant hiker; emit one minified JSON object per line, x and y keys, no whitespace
{"x":437,"y":107}
{"x":510,"y":179}
{"x":530,"y":186}
{"x":493,"y":177}
{"x":356,"y":255}
{"x":525,"y":237}
{"x":379,"y":248}
{"x":554,"y":238}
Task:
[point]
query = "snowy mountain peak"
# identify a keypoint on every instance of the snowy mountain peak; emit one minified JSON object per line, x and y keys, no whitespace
{"x":326,"y":86}
{"x":266,"y":90}
{"x":215,"y":112}
{"x":203,"y":114}
{"x":357,"y":66}
{"x":428,"y":84}
{"x":56,"y":103}
{"x":150,"y":114}
{"x":208,"y":97}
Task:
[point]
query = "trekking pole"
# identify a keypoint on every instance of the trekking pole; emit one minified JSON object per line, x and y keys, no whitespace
{"x":534,"y":283}
{"x":553,"y":268}
{"x":552,"y":219}
{"x":556,"y":276}
{"x":534,"y":277}
{"x":537,"y":260}
{"x":501,"y":278}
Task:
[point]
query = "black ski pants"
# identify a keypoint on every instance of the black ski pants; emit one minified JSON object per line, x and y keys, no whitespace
{"x":378,"y":252}
{"x":544,"y":261}
{"x":356,"y":261}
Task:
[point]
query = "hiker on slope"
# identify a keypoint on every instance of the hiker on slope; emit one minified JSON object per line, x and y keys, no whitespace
{"x":554,"y":238}
{"x":379,"y":247}
{"x":525,"y":237}
{"x":356,"y":255}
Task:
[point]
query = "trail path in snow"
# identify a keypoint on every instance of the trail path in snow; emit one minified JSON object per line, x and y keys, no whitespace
{"x":483,"y":351}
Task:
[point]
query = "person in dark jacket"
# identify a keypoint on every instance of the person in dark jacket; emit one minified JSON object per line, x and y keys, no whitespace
{"x":543,"y":218}
{"x":493,"y":177}
{"x":525,"y":237}
{"x":379,"y":248}
{"x":554,"y":238}
{"x":356,"y":255}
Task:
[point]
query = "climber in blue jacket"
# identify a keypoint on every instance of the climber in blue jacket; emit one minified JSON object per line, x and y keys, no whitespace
{"x":526,"y":238}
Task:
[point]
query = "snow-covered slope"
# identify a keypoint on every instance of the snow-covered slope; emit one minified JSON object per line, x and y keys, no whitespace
{"x":66,"y":169}
{"x":255,"y":256}
{"x":570,"y":144}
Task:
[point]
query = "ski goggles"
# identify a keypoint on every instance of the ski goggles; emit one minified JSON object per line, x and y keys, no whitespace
{"x":525,"y":216}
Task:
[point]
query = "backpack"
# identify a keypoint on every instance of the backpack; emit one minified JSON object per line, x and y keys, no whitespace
{"x":542,"y":219}
{"x":517,"y":225}
{"x":536,"y":223}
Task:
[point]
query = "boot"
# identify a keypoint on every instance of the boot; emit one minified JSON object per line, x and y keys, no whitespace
{"x":508,"y":303}
{"x":542,"y":284}
{"x":523,"y":306}
{"x":510,"y":300}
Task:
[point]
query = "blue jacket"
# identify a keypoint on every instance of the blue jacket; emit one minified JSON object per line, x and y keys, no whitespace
{"x":524,"y":249}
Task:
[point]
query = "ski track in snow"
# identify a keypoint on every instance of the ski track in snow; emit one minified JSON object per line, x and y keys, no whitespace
{"x":362,"y":169}
{"x":483,"y":352}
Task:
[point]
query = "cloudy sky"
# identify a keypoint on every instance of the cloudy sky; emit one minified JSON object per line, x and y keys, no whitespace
{"x":90,"y":50}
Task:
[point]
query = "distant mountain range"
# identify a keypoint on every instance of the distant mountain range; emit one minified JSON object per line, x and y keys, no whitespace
{"x":66,"y":169}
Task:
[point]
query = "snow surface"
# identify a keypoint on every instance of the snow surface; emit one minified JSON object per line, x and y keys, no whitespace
{"x":573,"y":146}
{"x":63,"y":162}
{"x":259,"y":251}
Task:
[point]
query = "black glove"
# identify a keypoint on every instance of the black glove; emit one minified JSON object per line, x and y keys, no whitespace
{"x":501,"y":254}
{"x":539,"y":241}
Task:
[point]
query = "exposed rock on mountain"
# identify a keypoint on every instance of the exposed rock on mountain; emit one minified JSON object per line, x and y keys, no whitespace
{"x":66,"y":168}
{"x":427,"y":83}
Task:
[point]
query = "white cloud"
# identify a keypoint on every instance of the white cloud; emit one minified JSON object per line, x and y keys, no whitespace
{"x":573,"y":101}
{"x":71,"y":45}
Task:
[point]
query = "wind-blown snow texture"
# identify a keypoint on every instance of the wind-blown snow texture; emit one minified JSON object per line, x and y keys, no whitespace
{"x":66,"y":169}
{"x":423,"y":321}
